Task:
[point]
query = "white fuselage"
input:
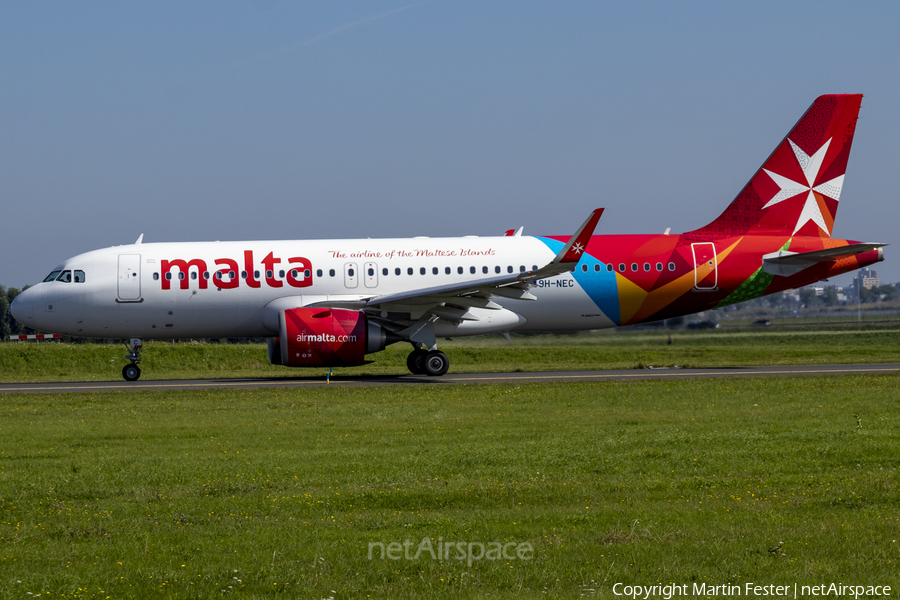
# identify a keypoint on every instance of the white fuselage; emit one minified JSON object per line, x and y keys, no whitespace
{"x":235,"y":289}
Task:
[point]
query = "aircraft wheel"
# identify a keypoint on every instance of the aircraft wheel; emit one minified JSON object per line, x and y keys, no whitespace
{"x":131,"y":372}
{"x":415,"y":362}
{"x":436,"y":363}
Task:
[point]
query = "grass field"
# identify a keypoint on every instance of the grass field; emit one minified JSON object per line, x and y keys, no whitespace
{"x":601,"y":350}
{"x":281,"y":493}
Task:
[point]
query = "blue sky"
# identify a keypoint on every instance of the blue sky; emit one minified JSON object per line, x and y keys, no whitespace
{"x":287,"y":120}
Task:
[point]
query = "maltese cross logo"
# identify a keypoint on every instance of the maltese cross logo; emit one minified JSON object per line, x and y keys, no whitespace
{"x":812,"y":209}
{"x":578,"y":248}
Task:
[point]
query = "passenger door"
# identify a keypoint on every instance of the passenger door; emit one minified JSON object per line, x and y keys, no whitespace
{"x":706,"y":273}
{"x":129,"y":277}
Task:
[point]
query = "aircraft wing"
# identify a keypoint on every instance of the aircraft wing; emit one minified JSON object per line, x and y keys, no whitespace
{"x":513,"y":285}
{"x":786,"y":263}
{"x":412,"y":314}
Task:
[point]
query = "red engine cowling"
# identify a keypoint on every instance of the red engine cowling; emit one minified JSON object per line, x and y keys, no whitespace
{"x":327,"y":337}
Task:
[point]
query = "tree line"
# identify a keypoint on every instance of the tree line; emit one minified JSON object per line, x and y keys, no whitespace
{"x":8,"y":325}
{"x":829,"y":297}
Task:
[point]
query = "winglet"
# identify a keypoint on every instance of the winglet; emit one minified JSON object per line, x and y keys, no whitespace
{"x":572,"y":251}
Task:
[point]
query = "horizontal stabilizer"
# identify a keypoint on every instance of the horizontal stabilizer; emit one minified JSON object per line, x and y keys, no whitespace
{"x":786,"y":263}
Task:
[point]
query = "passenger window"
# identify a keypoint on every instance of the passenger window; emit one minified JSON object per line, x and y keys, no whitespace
{"x":597,"y":267}
{"x":156,"y":277}
{"x":371,"y":272}
{"x":194,"y":275}
{"x":634,"y":267}
{"x":521,"y":268}
{"x":534,"y":267}
{"x":460,"y":270}
{"x":421,"y":270}
{"x":621,"y":267}
{"x":295,"y":273}
{"x":584,"y":268}
{"x":484,"y":270}
{"x":331,"y":272}
{"x":497,"y":269}
{"x":52,"y":276}
{"x":65,"y":277}
{"x":269,"y":273}
{"x":472,"y":270}
{"x":218,"y":275}
{"x":646,"y":266}
{"x":409,"y":271}
{"x":243,"y":274}
{"x":446,"y":270}
{"x":671,"y":266}
{"x":205,"y":274}
{"x":180,"y":275}
{"x":318,"y":273}
{"x":659,"y":266}
{"x":434,"y":270}
{"x":255,"y":274}
{"x":231,"y":275}
{"x":384,"y":271}
{"x":168,"y":277}
{"x":306,"y":273}
{"x":351,"y":272}
{"x":397,"y":271}
{"x":609,"y":267}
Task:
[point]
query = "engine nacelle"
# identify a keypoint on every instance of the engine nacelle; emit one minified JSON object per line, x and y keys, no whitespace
{"x":326,"y":337}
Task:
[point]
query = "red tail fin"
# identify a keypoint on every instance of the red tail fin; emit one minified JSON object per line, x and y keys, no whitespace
{"x":796,"y":191}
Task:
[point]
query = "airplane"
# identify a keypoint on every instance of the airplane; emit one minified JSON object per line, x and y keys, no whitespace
{"x":327,"y":303}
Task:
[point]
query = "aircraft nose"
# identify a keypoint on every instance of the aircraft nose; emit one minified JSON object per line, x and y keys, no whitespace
{"x":22,"y":307}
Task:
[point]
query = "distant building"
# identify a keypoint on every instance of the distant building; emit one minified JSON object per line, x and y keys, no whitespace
{"x":867,"y":278}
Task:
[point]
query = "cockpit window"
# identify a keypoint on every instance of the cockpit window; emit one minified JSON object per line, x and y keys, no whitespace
{"x":52,"y":276}
{"x":79,"y":276}
{"x":65,"y":277}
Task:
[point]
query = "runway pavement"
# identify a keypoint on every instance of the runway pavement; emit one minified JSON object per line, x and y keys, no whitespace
{"x":450,"y":378}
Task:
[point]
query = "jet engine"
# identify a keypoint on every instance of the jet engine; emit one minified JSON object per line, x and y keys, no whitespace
{"x":326,"y":337}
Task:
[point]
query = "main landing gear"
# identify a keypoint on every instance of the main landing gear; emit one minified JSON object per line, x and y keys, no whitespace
{"x":132,"y":372}
{"x":423,"y":362}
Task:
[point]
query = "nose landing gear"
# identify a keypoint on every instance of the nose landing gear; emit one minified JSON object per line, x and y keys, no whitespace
{"x":132,"y":372}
